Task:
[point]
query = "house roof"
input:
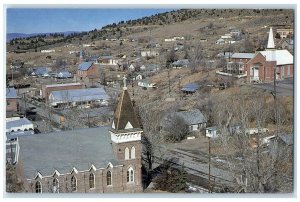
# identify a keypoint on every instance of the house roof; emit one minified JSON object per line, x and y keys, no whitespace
{"x":63,"y":84}
{"x":152,"y":66}
{"x":243,"y":55}
{"x":41,"y":70}
{"x":11,"y":93}
{"x":282,"y":57}
{"x":191,"y":87}
{"x":64,"y":74}
{"x":181,"y":62}
{"x":85,"y":66}
{"x":63,"y":151}
{"x":77,"y":95}
{"x":17,"y":123}
{"x":125,"y":113}
{"x":14,"y":135}
{"x":192,"y":116}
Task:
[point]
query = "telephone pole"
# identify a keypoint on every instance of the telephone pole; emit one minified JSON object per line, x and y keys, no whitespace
{"x":209,"y":184}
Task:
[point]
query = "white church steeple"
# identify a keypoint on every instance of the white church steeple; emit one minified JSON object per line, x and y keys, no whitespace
{"x":271,"y":44}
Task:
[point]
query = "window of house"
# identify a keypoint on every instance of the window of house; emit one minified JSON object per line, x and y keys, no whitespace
{"x":38,"y":187}
{"x":130,"y":175}
{"x":132,"y":153}
{"x":55,"y":186}
{"x":108,"y":177}
{"x":92,"y":180}
{"x":73,"y":183}
{"x":126,"y":153}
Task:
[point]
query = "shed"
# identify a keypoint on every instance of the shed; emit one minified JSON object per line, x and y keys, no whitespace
{"x":190,"y":88}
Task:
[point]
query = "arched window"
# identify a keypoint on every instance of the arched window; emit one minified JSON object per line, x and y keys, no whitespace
{"x":73,"y":183}
{"x":55,"y":186}
{"x":126,"y":153}
{"x":38,"y":187}
{"x":130,"y":175}
{"x":92,"y":180}
{"x":108,"y":177}
{"x":132,"y":153}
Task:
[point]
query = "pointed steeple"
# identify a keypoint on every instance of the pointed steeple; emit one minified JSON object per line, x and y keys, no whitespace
{"x":271,"y":44}
{"x":125,"y":117}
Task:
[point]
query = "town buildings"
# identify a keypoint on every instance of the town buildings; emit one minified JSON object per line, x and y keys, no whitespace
{"x":94,"y":160}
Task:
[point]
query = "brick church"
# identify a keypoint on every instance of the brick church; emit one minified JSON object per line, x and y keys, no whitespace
{"x":94,"y":160}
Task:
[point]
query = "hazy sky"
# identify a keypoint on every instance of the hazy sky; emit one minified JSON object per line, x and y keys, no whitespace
{"x":42,"y":20}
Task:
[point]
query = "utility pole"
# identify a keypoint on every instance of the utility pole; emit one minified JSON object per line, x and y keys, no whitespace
{"x":169,"y":82}
{"x":209,"y":185}
{"x":12,"y":74}
{"x":275,"y":102}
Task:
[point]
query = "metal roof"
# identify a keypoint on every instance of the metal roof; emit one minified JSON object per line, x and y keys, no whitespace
{"x":17,"y":123}
{"x":282,"y":57}
{"x":64,"y":74}
{"x":85,"y":66}
{"x":41,"y":70}
{"x":63,"y":151}
{"x":243,"y":55}
{"x":181,"y":62}
{"x":192,"y":116}
{"x":191,"y":87}
{"x":14,"y":135}
{"x":78,"y":95}
{"x":11,"y":93}
{"x":63,"y":84}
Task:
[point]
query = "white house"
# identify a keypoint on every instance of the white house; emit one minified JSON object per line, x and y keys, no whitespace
{"x":47,"y":51}
{"x":146,"y":84}
{"x":149,"y":53}
{"x":15,"y":124}
{"x":212,"y":132}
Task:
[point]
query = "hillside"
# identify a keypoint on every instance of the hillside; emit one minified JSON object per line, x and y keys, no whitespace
{"x":139,"y":27}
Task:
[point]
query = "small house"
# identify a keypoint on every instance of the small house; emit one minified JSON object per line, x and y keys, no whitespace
{"x":146,"y":84}
{"x":86,"y":70}
{"x":180,"y":63}
{"x":190,"y":88}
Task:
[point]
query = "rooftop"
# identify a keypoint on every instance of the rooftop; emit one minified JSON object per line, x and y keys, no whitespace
{"x":192,"y":116}
{"x":17,"y":123}
{"x":64,"y":84}
{"x":77,"y":95}
{"x":282,"y":57}
{"x":11,"y":93}
{"x":191,"y":87}
{"x":63,"y":151}
{"x":125,"y":113}
{"x":85,"y":66}
{"x":243,"y":55}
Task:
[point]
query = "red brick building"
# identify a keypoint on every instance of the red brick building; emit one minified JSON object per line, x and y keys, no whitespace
{"x":93,"y":160}
{"x":87,"y":70}
{"x":47,"y":89}
{"x":12,"y":104}
{"x":262,"y":66}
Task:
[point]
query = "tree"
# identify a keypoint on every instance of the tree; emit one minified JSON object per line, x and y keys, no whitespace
{"x":260,"y":168}
{"x":171,"y":179}
{"x":277,"y":36}
{"x":176,"y":128}
{"x":171,"y":57}
{"x":13,"y":183}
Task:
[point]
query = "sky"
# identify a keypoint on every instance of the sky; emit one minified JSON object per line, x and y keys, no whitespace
{"x":43,"y":20}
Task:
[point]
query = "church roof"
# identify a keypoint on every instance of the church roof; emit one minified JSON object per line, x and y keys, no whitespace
{"x":63,"y":151}
{"x":125,"y":113}
{"x":282,"y":57}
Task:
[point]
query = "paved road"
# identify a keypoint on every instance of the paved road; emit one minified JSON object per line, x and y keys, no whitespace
{"x":283,"y":88}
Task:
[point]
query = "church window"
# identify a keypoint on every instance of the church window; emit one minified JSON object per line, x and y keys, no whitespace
{"x":92,"y":180}
{"x":126,"y":153}
{"x":73,"y":183}
{"x":132,"y":153}
{"x":55,"y":186}
{"x":130,"y":175}
{"x":38,"y":187}
{"x":108,"y":177}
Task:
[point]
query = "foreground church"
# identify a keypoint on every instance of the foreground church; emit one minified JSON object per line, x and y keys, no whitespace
{"x":93,"y":160}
